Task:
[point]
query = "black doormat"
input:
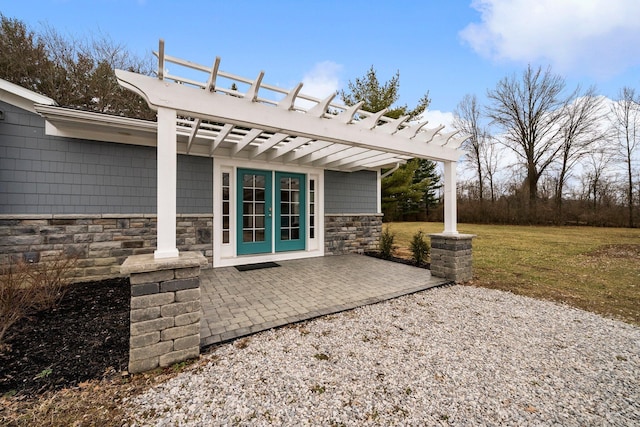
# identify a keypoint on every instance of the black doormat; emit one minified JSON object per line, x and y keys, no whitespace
{"x":258,"y":266}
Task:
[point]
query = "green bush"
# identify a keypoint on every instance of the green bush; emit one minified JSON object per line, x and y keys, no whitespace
{"x":419,"y":248}
{"x":386,"y":244}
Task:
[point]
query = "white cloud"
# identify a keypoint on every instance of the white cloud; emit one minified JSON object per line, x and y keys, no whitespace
{"x":597,"y":36}
{"x":437,"y":118}
{"x":320,"y":82}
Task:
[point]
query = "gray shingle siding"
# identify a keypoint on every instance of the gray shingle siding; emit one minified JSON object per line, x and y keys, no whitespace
{"x":41,"y":174}
{"x":354,"y":192}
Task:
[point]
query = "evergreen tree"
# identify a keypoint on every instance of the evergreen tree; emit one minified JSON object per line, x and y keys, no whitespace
{"x":412,"y":188}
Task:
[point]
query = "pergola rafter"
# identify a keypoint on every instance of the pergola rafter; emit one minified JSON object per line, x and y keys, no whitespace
{"x":270,"y":124}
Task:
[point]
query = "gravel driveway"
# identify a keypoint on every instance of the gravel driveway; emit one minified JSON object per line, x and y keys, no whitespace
{"x":449,"y":356}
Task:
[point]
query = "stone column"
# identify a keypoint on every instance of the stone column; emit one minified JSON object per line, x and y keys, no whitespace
{"x":165,"y":309}
{"x":451,"y":256}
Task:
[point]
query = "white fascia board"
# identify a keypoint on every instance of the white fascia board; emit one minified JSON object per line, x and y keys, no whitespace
{"x":22,"y":98}
{"x":196,"y":102}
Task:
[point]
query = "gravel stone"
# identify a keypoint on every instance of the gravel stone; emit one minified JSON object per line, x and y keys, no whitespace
{"x":458,"y":355}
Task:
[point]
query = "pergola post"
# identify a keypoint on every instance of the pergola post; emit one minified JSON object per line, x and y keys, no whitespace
{"x":451,"y":251}
{"x":167,"y":181}
{"x":450,"y":209}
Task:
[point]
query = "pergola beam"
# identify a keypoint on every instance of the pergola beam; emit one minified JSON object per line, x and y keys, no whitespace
{"x":218,"y":107}
{"x":290,"y":146}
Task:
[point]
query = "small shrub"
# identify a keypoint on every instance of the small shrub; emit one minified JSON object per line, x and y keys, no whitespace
{"x":419,"y":248}
{"x":28,"y":287}
{"x":16,"y":297}
{"x":51,"y":278}
{"x":386,"y":244}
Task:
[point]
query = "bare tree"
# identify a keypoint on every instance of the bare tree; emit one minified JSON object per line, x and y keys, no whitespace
{"x":596,"y":164}
{"x":528,"y":110}
{"x":580,"y":129}
{"x":467,"y":120}
{"x":626,"y":128}
{"x":491,"y":160}
{"x":76,"y":73}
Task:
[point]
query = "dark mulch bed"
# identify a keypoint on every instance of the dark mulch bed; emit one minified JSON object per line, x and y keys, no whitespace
{"x":86,"y":337}
{"x":398,"y":259}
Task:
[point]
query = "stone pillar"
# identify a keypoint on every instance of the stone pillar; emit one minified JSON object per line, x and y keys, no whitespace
{"x":165,"y":309}
{"x":451,"y":256}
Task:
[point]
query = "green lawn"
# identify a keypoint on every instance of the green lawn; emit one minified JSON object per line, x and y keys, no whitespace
{"x":596,"y":269}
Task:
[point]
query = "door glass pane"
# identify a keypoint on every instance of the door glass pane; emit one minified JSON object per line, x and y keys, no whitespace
{"x":226,"y":200}
{"x":253,"y":208}
{"x":312,"y":208}
{"x":289,"y":208}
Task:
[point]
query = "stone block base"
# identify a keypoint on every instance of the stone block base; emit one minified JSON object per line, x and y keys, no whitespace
{"x":165,"y":309}
{"x":451,"y":256}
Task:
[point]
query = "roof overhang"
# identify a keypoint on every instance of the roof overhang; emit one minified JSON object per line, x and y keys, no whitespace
{"x":22,"y":97}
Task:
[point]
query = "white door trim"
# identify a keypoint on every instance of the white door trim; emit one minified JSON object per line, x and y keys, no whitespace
{"x":225,"y":254}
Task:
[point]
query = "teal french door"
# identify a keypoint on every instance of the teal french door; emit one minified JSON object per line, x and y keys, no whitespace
{"x":254,"y":199}
{"x":257,"y":212}
{"x":290,"y":211}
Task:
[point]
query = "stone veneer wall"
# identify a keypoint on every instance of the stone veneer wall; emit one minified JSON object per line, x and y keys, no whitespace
{"x":351,"y":233}
{"x":101,"y":242}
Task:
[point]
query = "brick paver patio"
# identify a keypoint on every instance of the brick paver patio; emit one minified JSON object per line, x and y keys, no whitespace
{"x":236,"y":303}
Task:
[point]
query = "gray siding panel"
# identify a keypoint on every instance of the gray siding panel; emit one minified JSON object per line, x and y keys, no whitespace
{"x":42,"y":174}
{"x":354,"y":192}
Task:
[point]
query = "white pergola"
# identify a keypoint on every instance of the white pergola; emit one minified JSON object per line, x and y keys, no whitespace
{"x":216,"y":121}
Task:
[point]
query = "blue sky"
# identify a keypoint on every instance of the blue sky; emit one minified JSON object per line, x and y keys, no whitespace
{"x":448,"y":47}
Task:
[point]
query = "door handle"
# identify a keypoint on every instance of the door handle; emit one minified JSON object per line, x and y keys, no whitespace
{"x":269,"y":212}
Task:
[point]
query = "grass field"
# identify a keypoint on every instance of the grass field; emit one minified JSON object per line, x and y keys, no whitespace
{"x":595,"y":269}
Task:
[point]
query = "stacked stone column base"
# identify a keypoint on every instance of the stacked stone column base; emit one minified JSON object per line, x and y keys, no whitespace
{"x":165,"y":309}
{"x":451,"y":256}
